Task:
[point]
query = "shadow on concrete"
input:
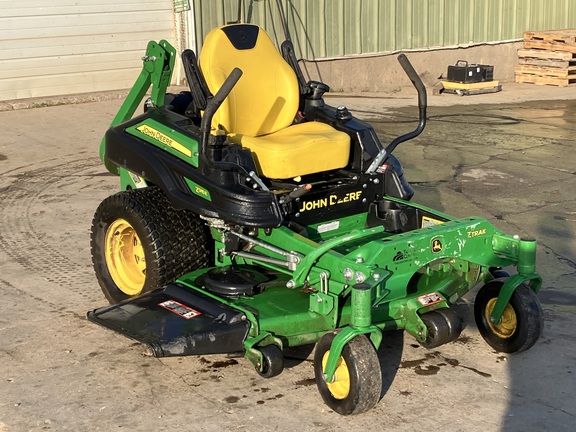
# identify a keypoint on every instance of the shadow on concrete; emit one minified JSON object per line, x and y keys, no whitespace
{"x":390,"y":356}
{"x":543,"y":378}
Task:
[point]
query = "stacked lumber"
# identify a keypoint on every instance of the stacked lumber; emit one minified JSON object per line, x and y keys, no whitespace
{"x":548,"y":58}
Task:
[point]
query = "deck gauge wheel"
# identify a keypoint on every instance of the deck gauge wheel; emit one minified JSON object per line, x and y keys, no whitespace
{"x":273,"y":361}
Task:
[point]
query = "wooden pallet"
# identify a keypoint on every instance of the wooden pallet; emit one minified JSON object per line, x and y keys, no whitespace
{"x":547,"y":55}
{"x":567,"y":72}
{"x":560,"y":37}
{"x":553,"y":40}
{"x":550,"y":46}
{"x":545,"y":63}
{"x":548,"y":58}
{"x":545,"y":80}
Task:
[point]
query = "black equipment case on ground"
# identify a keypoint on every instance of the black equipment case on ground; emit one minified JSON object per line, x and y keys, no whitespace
{"x":470,"y":73}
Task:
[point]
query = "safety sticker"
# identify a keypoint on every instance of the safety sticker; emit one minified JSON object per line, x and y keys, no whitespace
{"x":179,"y":309}
{"x":382,"y":168}
{"x":139,"y":182}
{"x":428,"y":222}
{"x":429,"y":299}
{"x":330,"y":226}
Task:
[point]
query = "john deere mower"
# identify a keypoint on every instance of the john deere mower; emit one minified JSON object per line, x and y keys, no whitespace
{"x":253,"y":217}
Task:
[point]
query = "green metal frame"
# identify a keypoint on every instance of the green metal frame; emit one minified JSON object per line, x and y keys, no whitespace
{"x":156,"y":72}
{"x":380,"y":300}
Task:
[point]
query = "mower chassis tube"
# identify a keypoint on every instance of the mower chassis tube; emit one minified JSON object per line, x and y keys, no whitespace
{"x":310,"y":259}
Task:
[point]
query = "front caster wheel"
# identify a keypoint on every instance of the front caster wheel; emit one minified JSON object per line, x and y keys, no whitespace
{"x":358,"y":379}
{"x":273,"y":361}
{"x":522,"y":321}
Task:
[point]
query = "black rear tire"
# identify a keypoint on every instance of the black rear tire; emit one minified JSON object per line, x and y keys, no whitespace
{"x":521,"y":324}
{"x":168,"y":243}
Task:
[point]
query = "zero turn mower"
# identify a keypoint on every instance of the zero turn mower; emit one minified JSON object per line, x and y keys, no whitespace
{"x":253,"y":217}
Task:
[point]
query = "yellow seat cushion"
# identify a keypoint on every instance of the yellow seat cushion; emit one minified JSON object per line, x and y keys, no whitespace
{"x":300,"y":149}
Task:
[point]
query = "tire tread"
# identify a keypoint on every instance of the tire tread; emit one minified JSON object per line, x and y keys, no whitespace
{"x":177,"y":239}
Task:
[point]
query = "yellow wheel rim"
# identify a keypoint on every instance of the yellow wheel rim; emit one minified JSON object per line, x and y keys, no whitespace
{"x":340,"y":387}
{"x":125,"y":257}
{"x":507,"y":325}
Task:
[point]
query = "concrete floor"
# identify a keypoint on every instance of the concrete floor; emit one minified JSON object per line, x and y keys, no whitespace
{"x":509,"y":157}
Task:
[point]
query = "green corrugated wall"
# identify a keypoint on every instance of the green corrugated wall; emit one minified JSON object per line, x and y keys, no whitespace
{"x":338,"y":28}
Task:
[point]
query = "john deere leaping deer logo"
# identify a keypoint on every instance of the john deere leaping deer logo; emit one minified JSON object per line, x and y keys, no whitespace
{"x":437,"y":246}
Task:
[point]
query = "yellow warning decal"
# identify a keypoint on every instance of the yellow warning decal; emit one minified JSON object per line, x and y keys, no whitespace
{"x":164,"y":139}
{"x":428,"y":222}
